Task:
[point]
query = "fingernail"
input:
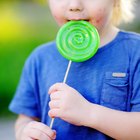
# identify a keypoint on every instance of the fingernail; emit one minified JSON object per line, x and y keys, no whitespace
{"x":54,"y":131}
{"x":54,"y":136}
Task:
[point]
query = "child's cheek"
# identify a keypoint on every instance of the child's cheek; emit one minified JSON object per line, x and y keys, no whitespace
{"x":100,"y":18}
{"x":60,"y":21}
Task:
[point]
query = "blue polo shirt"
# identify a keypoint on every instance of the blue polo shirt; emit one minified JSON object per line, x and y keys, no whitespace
{"x":111,"y":78}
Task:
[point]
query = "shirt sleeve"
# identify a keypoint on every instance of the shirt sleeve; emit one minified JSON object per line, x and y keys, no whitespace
{"x":135,"y":80}
{"x":25,"y":100}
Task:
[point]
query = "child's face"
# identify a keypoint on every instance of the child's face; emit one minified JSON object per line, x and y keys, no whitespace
{"x":97,"y":12}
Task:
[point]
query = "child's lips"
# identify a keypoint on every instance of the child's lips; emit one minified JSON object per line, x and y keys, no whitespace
{"x":78,"y":20}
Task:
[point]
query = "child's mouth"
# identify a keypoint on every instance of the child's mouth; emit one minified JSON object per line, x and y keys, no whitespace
{"x":78,"y":20}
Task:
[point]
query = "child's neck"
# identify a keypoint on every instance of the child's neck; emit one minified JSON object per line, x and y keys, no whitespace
{"x":107,"y":35}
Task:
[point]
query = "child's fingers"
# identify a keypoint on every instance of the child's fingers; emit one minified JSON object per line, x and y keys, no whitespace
{"x":55,"y":95}
{"x":54,"y":113}
{"x":43,"y":128}
{"x":57,"y":87}
{"x":54,"y":104}
{"x":37,"y":134}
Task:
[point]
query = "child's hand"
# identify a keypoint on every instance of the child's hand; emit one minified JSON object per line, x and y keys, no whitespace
{"x":37,"y":131}
{"x":67,"y":104}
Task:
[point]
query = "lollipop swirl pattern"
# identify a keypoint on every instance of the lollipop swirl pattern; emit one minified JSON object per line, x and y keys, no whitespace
{"x":77,"y":41}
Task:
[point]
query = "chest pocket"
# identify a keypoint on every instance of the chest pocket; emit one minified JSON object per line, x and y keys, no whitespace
{"x":115,"y":90}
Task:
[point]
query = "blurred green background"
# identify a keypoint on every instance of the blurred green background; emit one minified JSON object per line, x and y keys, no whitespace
{"x":25,"y":24}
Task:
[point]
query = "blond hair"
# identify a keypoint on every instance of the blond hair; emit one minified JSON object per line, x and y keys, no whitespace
{"x":123,"y":11}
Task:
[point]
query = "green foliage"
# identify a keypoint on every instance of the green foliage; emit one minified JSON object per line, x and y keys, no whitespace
{"x":30,"y":29}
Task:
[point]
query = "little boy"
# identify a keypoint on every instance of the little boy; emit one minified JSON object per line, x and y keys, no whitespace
{"x":101,"y":100}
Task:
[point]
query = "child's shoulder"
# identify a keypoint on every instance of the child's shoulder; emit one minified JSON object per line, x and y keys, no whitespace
{"x":130,"y":36}
{"x":44,"y":53}
{"x":130,"y":40}
{"x":44,"y":50}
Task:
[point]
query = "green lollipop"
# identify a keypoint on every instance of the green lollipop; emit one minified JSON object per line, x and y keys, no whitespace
{"x":77,"y":41}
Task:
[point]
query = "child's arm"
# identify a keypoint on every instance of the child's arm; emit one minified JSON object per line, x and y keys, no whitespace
{"x":27,"y":128}
{"x":70,"y":106}
{"x":117,"y":124}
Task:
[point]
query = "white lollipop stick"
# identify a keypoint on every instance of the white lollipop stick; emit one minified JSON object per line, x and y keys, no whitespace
{"x":64,"y":81}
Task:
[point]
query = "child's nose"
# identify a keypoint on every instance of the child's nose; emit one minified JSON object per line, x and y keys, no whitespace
{"x":75,"y":5}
